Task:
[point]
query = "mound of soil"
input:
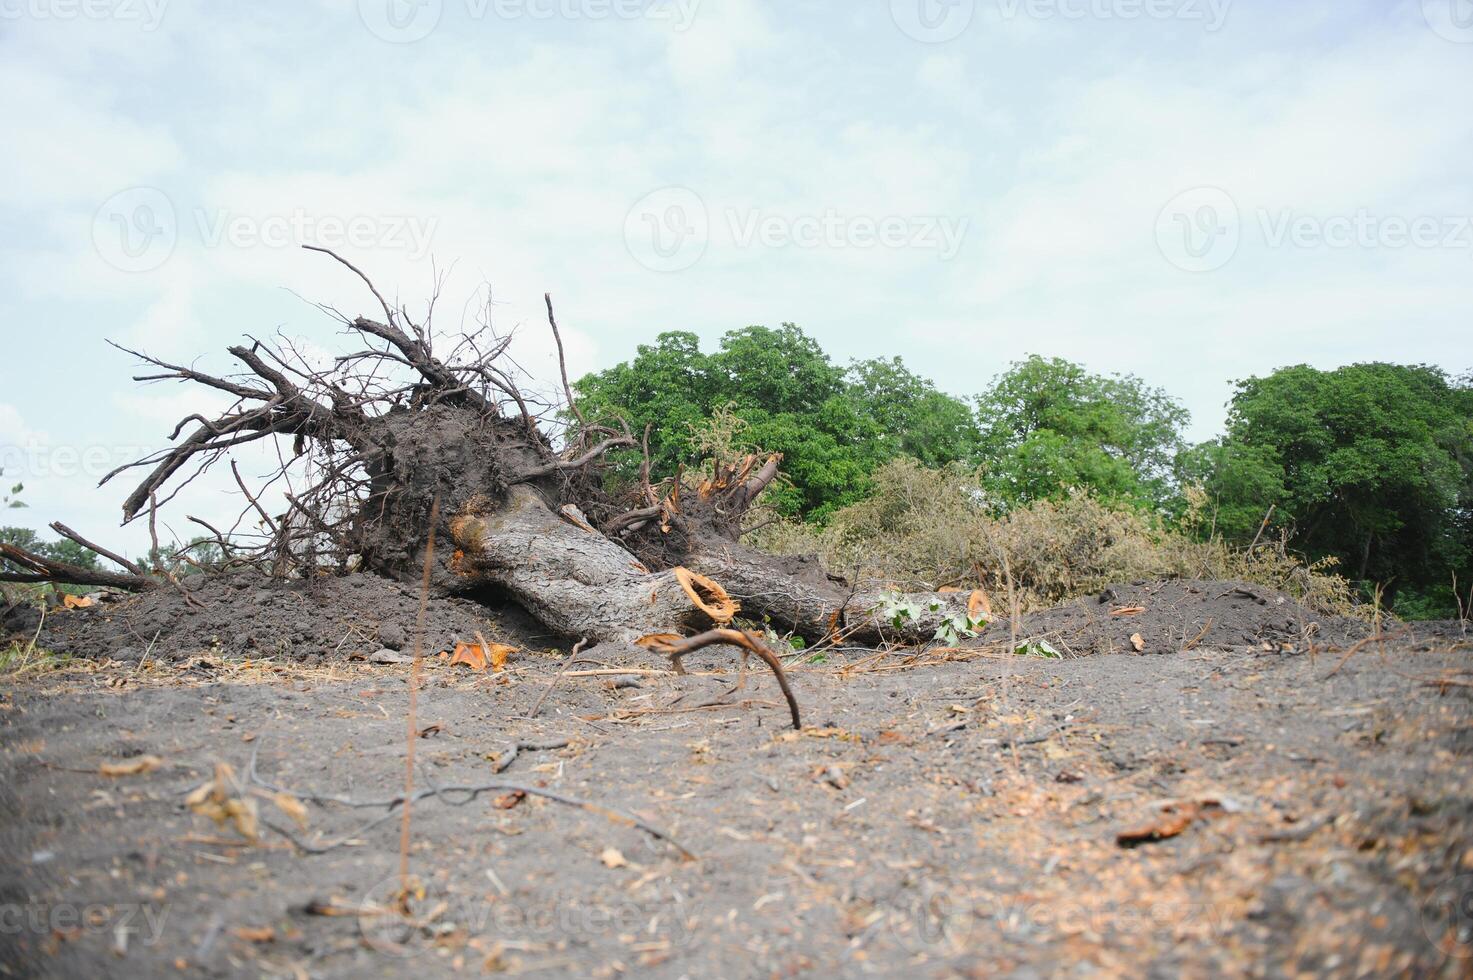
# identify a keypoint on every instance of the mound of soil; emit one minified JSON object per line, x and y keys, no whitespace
{"x":250,"y":615}
{"x":358,"y":615}
{"x":1176,"y":615}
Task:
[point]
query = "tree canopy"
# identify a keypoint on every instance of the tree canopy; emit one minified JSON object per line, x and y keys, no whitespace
{"x":1370,"y":463}
{"x":833,"y":425}
{"x":1049,"y":426}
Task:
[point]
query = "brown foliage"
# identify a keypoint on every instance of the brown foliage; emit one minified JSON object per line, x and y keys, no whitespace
{"x":927,"y":529}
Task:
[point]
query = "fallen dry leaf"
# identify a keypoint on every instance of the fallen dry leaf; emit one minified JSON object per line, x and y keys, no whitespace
{"x":133,"y":767}
{"x":255,"y":934}
{"x":292,"y":807}
{"x":1138,"y":641}
{"x":499,"y":654}
{"x":817,"y":733}
{"x":612,"y":858}
{"x":473,"y":655}
{"x":1128,"y":611}
{"x":655,"y":641}
{"x":1170,"y":823}
{"x":496,"y":653}
{"x":219,"y":800}
{"x":77,"y":602}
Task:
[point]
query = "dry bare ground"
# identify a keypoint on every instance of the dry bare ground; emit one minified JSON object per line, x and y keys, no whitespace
{"x":1264,"y":799}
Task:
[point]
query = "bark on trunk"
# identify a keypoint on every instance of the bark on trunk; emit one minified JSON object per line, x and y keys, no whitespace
{"x":573,"y":579}
{"x":795,"y":593}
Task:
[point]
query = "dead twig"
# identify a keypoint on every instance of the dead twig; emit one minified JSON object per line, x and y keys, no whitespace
{"x":411,"y":736}
{"x":562,"y":363}
{"x":675,"y":648}
{"x":67,"y":532}
{"x":444,"y":794}
{"x":1192,"y":644}
{"x":1262,"y":527}
{"x":503,"y":763}
{"x":577,"y":648}
{"x":1359,"y":645}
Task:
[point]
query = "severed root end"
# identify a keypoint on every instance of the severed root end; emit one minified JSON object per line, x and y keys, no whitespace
{"x":676,"y":647}
{"x":708,"y":596}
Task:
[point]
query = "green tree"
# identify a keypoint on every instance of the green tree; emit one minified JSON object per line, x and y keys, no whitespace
{"x":669,"y":385}
{"x":833,"y":426}
{"x":1371,"y":463}
{"x":1049,"y":426}
{"x":61,"y":549}
{"x":913,"y":418}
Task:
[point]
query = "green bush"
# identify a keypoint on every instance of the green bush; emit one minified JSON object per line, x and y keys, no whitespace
{"x":923,"y":529}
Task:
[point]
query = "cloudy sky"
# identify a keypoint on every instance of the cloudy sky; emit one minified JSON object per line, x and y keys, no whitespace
{"x":1190,"y":190}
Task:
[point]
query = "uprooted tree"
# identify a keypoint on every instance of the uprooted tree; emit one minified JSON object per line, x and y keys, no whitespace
{"x":391,"y":427}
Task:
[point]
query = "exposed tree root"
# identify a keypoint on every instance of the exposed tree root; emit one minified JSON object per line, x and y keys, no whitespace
{"x":676,"y":647}
{"x":390,"y":426}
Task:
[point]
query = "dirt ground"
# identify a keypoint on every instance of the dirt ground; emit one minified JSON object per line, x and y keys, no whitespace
{"x":1264,"y":799}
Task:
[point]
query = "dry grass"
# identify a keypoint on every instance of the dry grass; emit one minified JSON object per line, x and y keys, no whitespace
{"x":926,"y":529}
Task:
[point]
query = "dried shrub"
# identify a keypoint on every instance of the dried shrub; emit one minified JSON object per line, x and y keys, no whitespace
{"x":931,"y":528}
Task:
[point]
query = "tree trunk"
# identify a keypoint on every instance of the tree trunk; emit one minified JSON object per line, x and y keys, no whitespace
{"x":573,"y":579}
{"x":795,"y":593}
